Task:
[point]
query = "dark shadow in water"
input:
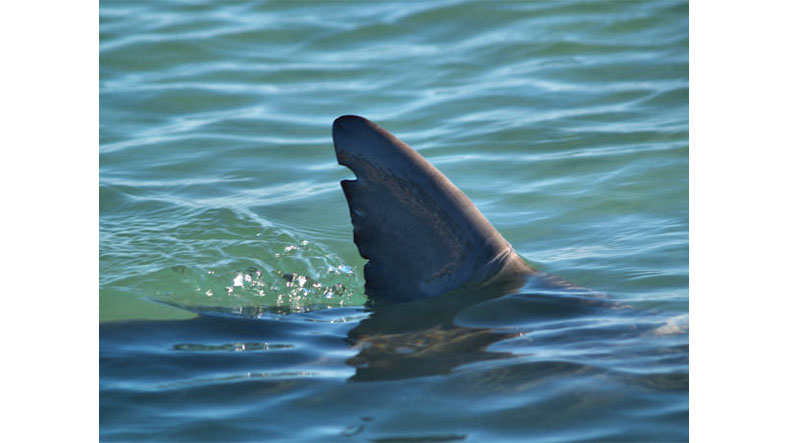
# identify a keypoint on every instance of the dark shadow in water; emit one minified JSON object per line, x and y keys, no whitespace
{"x":434,"y":336}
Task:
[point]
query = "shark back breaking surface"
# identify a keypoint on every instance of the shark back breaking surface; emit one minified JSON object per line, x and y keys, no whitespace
{"x":422,"y":236}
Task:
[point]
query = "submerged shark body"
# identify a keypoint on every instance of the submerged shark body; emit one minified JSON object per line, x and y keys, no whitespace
{"x":422,"y":236}
{"x":429,"y":245}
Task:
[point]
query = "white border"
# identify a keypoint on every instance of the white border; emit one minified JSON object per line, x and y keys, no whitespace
{"x":738,"y":124}
{"x":50,"y":213}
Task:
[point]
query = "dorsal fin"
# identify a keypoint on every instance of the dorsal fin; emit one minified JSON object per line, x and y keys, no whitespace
{"x":421,"y":234}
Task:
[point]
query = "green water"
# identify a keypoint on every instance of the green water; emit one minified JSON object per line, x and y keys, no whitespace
{"x":565,"y":122}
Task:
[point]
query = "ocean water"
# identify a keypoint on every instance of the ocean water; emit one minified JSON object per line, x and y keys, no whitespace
{"x":232,"y":302}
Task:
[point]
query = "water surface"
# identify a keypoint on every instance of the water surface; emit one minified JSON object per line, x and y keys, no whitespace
{"x":566,"y":123}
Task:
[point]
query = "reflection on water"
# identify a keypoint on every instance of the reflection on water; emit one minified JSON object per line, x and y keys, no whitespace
{"x":404,"y":340}
{"x":428,"y":352}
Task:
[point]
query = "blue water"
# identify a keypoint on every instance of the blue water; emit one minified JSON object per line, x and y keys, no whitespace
{"x":231,"y":293}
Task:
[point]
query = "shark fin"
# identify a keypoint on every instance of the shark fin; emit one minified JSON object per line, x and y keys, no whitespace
{"x":421,"y":234}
